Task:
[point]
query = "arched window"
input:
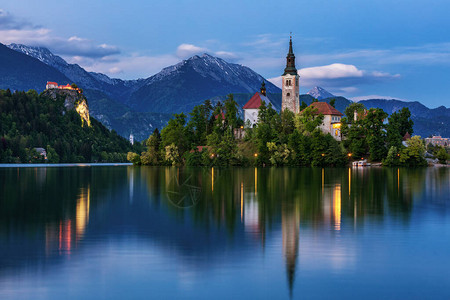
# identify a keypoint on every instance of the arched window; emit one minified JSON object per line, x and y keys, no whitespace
{"x":288,"y":94}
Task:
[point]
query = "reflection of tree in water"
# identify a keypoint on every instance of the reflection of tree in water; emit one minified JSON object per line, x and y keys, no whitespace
{"x":253,"y":202}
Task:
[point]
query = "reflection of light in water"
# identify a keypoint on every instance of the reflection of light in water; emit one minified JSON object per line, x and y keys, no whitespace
{"x":242,"y":200}
{"x":323,"y":180}
{"x":290,"y":226}
{"x":212,"y":179}
{"x":398,"y":180}
{"x":251,"y":216}
{"x":337,"y":207}
{"x":349,"y":181}
{"x":82,"y":212}
{"x":131,"y":185}
{"x":256,"y":180}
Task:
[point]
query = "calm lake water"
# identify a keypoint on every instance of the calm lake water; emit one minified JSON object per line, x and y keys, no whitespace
{"x":129,"y":232}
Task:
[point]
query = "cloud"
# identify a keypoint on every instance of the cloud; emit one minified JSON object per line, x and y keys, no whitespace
{"x":13,"y":30}
{"x":188,"y":50}
{"x":128,"y":66}
{"x":338,"y":78}
{"x":8,"y":21}
{"x":360,"y":98}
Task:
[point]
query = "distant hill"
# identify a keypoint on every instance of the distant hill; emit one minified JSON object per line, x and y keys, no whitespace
{"x":180,"y":87}
{"x":22,"y":72}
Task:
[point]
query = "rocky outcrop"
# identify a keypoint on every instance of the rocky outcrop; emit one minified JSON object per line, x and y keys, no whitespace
{"x":73,"y":100}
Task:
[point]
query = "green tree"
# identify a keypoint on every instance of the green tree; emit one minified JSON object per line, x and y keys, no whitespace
{"x":413,"y":154}
{"x":175,"y":133}
{"x":392,"y":158}
{"x":133,"y":157}
{"x":333,"y":102}
{"x":375,"y":135}
{"x":308,"y":120}
{"x":442,"y":155}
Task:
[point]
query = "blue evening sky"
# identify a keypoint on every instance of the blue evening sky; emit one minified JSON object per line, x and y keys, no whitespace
{"x":398,"y":49}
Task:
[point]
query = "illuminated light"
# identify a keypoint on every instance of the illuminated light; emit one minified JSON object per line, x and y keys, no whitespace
{"x":349,"y":155}
{"x":242,"y":127}
{"x":337,"y":207}
{"x":323,"y":154}
{"x":212,"y":155}
{"x":256,"y":154}
{"x":337,"y":125}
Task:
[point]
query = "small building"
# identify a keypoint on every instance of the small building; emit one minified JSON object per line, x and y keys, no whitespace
{"x":437,"y":140}
{"x":41,"y":152}
{"x":251,"y":108}
{"x":331,"y":119}
{"x":51,"y":85}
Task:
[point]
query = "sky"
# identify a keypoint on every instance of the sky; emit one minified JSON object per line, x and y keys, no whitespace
{"x":357,"y":49}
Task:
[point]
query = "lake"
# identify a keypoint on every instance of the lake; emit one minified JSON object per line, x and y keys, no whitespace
{"x":125,"y":232}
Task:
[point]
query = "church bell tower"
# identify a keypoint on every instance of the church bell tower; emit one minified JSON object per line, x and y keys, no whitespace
{"x":290,"y":89}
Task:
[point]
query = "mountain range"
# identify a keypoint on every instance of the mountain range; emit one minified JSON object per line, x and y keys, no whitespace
{"x":139,"y":106}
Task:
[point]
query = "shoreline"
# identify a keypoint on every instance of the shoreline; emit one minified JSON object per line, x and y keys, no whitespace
{"x":64,"y":165}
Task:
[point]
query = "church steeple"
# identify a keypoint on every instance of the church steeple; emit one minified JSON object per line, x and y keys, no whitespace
{"x":290,"y":61}
{"x":263,"y":88}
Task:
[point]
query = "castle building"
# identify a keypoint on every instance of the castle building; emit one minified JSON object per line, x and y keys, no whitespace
{"x":251,"y":108}
{"x":290,"y":88}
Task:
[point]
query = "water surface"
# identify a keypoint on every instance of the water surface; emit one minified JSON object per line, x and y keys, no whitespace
{"x":124,"y":232}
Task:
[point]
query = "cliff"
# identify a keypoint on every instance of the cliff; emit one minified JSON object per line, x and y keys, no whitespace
{"x":73,"y":100}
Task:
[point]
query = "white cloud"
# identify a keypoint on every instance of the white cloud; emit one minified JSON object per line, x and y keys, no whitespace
{"x":332,"y":71}
{"x":188,"y":50}
{"x":129,"y":67}
{"x":13,"y":30}
{"x":338,"y":78}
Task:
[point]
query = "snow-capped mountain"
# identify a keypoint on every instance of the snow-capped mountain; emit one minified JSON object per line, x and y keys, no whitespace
{"x":320,"y":93}
{"x":118,"y":89}
{"x":180,"y":87}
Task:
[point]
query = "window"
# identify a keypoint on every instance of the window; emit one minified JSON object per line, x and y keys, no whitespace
{"x":288,"y":94}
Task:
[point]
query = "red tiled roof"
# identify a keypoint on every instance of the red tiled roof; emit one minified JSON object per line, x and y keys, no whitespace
{"x":254,"y":102}
{"x":51,"y":82}
{"x":200,"y":148}
{"x":325,"y":109}
{"x":217,"y":116}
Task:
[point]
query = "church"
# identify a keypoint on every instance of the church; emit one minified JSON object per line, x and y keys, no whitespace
{"x":290,"y":100}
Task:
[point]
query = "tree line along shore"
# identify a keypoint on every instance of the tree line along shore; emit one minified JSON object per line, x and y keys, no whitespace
{"x":215,"y":135}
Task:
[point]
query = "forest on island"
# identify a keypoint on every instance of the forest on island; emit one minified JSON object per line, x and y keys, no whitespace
{"x":29,"y":120}
{"x":281,"y":139}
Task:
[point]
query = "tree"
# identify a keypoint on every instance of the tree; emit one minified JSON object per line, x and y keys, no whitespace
{"x":172,"y":155}
{"x":308,"y":120}
{"x":152,"y":155}
{"x":392,"y":158}
{"x":134,"y":158}
{"x":303,"y":105}
{"x":350,"y":110}
{"x":175,"y":133}
{"x":442,"y":155}
{"x":375,"y":135}
{"x":413,"y":154}
{"x":231,"y":112}
{"x":333,"y":102}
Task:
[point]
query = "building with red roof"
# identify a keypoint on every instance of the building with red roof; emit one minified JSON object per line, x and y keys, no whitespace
{"x":331,"y":118}
{"x":251,"y":108}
